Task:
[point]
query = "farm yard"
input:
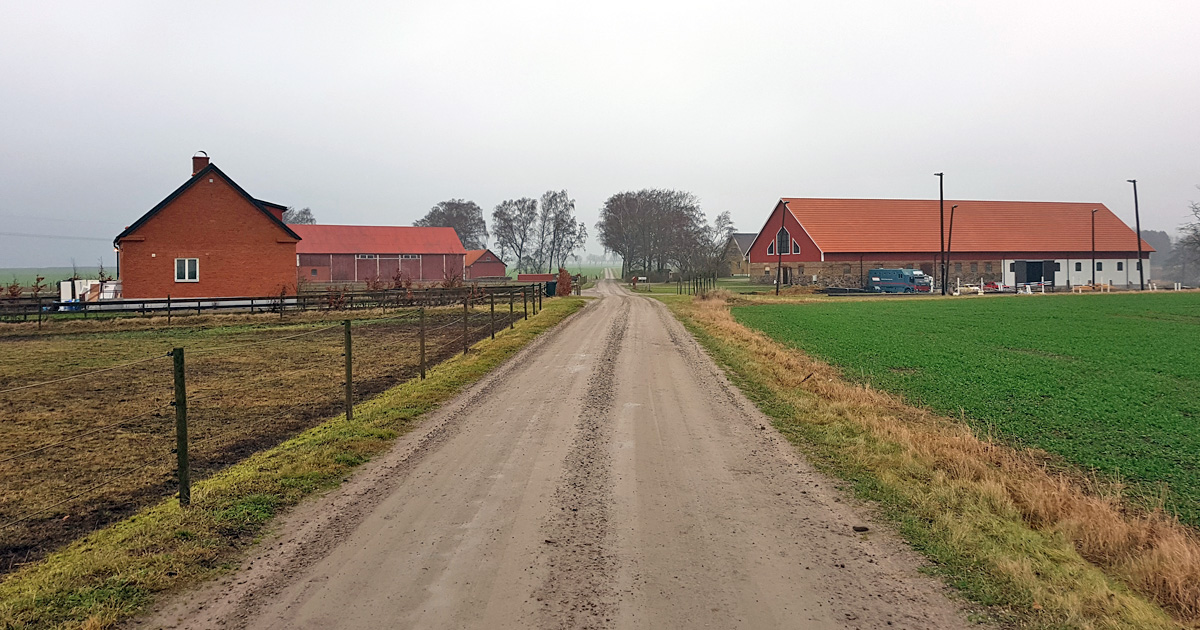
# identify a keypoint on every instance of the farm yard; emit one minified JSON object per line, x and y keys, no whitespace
{"x":1108,"y":383}
{"x":89,"y":430}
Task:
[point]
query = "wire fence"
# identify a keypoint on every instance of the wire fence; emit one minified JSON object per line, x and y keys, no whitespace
{"x":82,"y":450}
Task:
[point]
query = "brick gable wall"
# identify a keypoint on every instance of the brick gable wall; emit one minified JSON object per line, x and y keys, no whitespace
{"x":241,"y":251}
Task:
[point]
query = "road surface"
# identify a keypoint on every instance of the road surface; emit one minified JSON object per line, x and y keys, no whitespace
{"x":607,"y":477}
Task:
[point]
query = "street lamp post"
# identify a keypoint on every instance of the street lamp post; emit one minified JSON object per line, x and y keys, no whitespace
{"x":1094,"y":211}
{"x":942,"y":230}
{"x":950,"y":237}
{"x":778,"y":249}
{"x":1137,"y":220}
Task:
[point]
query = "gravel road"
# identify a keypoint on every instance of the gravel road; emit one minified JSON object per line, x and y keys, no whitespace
{"x":607,"y":477}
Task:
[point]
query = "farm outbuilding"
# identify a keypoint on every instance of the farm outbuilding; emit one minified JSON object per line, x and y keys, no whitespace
{"x":209,"y":238}
{"x":483,"y":264}
{"x":366,"y":253}
{"x":833,"y":242}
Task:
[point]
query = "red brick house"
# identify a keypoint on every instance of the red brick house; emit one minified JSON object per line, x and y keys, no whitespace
{"x":835,"y":241}
{"x":209,"y":238}
{"x":362,"y":253}
{"x":484,"y":264}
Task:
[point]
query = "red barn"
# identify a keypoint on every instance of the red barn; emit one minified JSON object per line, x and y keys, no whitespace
{"x":363,"y":253}
{"x":836,"y":241}
{"x":482,"y":263}
{"x":209,"y":238}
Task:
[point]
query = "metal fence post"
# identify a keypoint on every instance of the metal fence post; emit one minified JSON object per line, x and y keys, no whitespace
{"x":466,"y":337}
{"x":349,"y":374}
{"x":39,"y":308}
{"x":524,"y":302}
{"x":492,"y":301}
{"x":541,"y":294}
{"x":168,"y":309}
{"x":181,"y":434}
{"x":422,"y":336}
{"x":512,"y":319}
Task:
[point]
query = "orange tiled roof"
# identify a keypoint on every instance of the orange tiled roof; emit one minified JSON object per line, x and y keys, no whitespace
{"x":377,"y":239}
{"x":911,"y":225}
{"x":473,"y":255}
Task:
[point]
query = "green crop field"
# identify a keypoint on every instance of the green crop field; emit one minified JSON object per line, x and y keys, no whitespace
{"x":26,"y":275}
{"x":1110,"y":383}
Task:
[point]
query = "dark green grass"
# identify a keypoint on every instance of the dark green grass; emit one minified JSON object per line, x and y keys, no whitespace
{"x":1108,"y":382}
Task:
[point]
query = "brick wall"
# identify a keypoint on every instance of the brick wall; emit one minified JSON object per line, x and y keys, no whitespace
{"x":241,"y":251}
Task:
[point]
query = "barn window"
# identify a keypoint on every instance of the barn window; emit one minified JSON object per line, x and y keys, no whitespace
{"x":987,"y":267}
{"x":845,"y":270}
{"x":1099,"y":266}
{"x":800,"y":270}
{"x":366,"y":256}
{"x":1078,"y":266}
{"x":957,"y":267}
{"x":1139,"y":265}
{"x":782,"y":238}
{"x":187,"y":270}
{"x":974,"y":268}
{"x":410,"y":256}
{"x":313,"y":272}
{"x":770,"y":249}
{"x":795,"y":247}
{"x":1120,"y":266}
{"x":1012,"y":266}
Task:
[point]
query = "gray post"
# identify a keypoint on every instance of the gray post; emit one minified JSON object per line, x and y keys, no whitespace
{"x":492,"y":301}
{"x":466,"y":329}
{"x":181,"y":437}
{"x":349,"y":374}
{"x":512,"y":320}
{"x":524,"y":302}
{"x":422,"y":336}
{"x":168,"y":309}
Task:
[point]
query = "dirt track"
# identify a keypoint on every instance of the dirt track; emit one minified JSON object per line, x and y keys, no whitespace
{"x":607,"y":477}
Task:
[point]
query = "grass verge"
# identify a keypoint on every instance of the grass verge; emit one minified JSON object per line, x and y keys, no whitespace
{"x":995,"y":522}
{"x":114,"y":573}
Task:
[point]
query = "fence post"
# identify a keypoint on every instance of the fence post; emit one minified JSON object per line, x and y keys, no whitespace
{"x":168,"y":309}
{"x":492,"y":300}
{"x":541,"y":294}
{"x":181,"y":433}
{"x":39,"y":308}
{"x":422,"y":337}
{"x":524,"y":302}
{"x":349,"y":374}
{"x":466,"y":337}
{"x":512,"y":319}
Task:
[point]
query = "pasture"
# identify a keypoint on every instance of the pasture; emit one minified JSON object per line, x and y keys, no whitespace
{"x":1109,"y":383}
{"x":89,"y":449}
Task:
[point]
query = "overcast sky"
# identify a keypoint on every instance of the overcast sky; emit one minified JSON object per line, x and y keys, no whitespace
{"x":370,"y":113}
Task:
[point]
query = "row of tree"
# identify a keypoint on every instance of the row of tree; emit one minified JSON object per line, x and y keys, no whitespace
{"x":534,"y":234}
{"x":656,"y":229}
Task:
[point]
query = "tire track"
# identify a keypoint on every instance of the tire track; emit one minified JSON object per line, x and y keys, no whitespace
{"x":579,"y":562}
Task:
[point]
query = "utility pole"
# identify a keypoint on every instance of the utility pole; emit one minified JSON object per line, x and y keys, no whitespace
{"x":1094,"y":211}
{"x":778,"y":249}
{"x":1137,"y":220}
{"x":942,"y":230}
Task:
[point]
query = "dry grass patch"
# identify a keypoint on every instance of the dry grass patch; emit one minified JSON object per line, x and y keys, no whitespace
{"x":1041,"y":544}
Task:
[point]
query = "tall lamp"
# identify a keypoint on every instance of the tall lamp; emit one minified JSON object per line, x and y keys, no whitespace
{"x":1137,"y":220}
{"x":1094,"y":211}
{"x":942,"y":230}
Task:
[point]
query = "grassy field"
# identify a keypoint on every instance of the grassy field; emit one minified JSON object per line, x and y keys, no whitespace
{"x":737,"y":284}
{"x":253,"y":381}
{"x":1038,"y":545}
{"x":1110,"y":383}
{"x":26,"y":275}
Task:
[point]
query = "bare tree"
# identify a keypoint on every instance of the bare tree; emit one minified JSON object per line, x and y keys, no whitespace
{"x":464,"y":216}
{"x":1186,"y":253}
{"x":303,"y":216}
{"x":558,"y":234}
{"x":514,"y":226}
{"x":651,"y":229}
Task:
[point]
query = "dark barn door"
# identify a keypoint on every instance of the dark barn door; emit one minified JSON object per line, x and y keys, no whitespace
{"x":1021,"y":271}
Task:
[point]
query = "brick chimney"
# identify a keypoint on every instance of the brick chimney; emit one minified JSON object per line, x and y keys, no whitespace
{"x":199,"y":162}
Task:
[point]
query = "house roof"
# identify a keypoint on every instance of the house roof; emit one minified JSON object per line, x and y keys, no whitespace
{"x":743,"y":240}
{"x":911,"y":225}
{"x":272,"y":205}
{"x":377,"y":239}
{"x":475,"y":254}
{"x":201,"y":174}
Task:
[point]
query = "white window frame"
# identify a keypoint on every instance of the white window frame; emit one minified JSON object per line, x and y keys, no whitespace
{"x":771,"y":248}
{"x":366,"y":256}
{"x":185,"y":277}
{"x":410,"y":257}
{"x":795,"y":246}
